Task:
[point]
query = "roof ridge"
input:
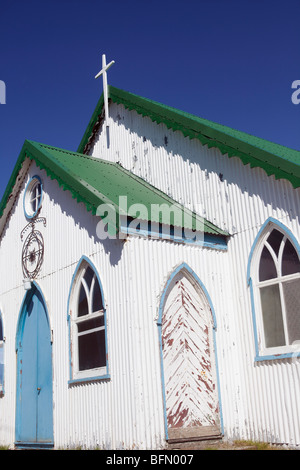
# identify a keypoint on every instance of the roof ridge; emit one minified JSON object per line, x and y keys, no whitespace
{"x":275,"y":159}
{"x":198,"y":118}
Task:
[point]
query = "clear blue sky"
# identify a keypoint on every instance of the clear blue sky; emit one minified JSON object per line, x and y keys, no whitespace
{"x":232,"y":62}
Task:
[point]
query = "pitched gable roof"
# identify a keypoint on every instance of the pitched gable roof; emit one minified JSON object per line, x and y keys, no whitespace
{"x":275,"y":159}
{"x":93,"y":182}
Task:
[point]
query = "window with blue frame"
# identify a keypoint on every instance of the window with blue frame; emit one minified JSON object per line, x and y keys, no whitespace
{"x":33,"y":197}
{"x":88,"y":328}
{"x":276,"y":291}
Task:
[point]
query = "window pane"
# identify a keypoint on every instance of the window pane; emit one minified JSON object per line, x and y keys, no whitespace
{"x":272,"y":316}
{"x":275,"y":239}
{"x":88,"y":276}
{"x":82,"y":303}
{"x":92,"y":352}
{"x":35,"y":196}
{"x":290,"y":260}
{"x":1,"y":330}
{"x":33,"y":204}
{"x":90,"y":324}
{"x":97,"y":298}
{"x":38,"y":190}
{"x":267,"y":269}
{"x":291,"y":291}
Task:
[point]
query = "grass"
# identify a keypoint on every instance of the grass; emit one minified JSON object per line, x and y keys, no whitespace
{"x":243,"y":445}
{"x":254,"y":444}
{"x":225,"y":445}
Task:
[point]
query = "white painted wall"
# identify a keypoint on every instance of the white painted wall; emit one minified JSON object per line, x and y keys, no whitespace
{"x":127,"y":410}
{"x":259,"y":400}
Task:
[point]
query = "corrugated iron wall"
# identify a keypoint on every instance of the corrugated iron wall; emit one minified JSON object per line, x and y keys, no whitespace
{"x":258,"y":400}
{"x":125,"y":411}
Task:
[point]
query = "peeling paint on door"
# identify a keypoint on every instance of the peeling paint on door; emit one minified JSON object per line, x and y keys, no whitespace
{"x":188,"y":360}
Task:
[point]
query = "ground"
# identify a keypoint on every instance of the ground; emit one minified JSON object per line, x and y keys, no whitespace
{"x":227,"y":445}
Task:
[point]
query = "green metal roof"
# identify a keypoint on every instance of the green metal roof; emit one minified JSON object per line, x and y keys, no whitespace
{"x":275,"y":159}
{"x":93,"y":182}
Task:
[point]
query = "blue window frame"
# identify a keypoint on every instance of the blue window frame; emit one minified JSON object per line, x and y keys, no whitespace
{"x":33,"y":197}
{"x":87,"y":325}
{"x":274,"y":280}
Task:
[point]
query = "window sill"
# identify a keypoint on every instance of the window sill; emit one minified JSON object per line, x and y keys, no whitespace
{"x":274,"y":357}
{"x":81,"y":380}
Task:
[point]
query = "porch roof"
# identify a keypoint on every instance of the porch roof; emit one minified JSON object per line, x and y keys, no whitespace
{"x":94,"y":182}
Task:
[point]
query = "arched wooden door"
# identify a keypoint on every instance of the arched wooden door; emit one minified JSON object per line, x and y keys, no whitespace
{"x":34,"y":406}
{"x":189,"y":366}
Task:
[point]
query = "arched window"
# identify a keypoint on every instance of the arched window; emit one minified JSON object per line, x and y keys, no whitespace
{"x":276,"y":290}
{"x":1,"y":357}
{"x":88,"y":331}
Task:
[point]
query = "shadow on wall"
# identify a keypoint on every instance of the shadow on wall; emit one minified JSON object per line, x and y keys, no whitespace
{"x":83,"y":220}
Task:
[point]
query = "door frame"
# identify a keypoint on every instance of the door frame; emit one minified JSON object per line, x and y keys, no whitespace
{"x":191,"y":274}
{"x":19,"y":334}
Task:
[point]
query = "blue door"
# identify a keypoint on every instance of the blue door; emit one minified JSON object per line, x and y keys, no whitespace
{"x":34,"y":407}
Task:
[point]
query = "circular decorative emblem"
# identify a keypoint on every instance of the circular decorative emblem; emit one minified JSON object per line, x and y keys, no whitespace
{"x":33,"y":197}
{"x":33,"y":249}
{"x":32,"y":254}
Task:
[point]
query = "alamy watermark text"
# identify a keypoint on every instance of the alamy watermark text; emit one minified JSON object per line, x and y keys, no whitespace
{"x":2,"y":92}
{"x":296,"y":94}
{"x":171,"y":221}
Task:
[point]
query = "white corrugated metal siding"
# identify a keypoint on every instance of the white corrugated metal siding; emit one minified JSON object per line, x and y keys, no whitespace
{"x":258,"y":400}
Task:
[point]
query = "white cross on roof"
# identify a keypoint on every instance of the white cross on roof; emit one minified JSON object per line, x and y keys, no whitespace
{"x":103,"y":72}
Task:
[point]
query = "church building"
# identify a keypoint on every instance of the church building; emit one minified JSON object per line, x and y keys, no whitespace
{"x":150,"y":285}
